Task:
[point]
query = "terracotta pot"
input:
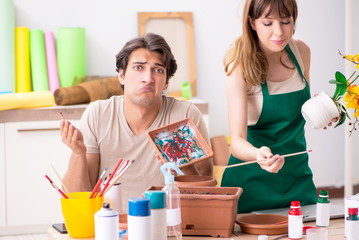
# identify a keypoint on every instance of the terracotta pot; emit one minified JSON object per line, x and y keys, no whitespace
{"x":319,"y":111}
{"x":208,"y":211}
{"x":195,"y":180}
{"x":269,"y":224}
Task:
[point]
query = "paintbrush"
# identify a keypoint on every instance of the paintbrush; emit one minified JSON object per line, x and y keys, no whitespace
{"x":250,"y":162}
{"x":67,"y":191}
{"x":94,"y":191}
{"x":109,"y":179}
{"x":58,"y":189}
{"x":121,"y":172}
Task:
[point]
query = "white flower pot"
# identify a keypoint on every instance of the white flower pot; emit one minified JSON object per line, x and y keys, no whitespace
{"x":319,"y":111}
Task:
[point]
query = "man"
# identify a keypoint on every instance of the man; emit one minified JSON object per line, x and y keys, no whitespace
{"x":116,"y":128}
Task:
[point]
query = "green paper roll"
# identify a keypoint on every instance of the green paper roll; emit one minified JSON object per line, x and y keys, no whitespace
{"x":22,"y":59}
{"x":71,"y":57}
{"x":7,"y":46}
{"x":38,"y":61}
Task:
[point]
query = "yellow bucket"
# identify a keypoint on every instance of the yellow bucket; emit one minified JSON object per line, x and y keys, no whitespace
{"x":79,"y":214}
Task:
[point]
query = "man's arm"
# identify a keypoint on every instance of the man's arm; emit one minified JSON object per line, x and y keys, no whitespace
{"x":83,"y":168}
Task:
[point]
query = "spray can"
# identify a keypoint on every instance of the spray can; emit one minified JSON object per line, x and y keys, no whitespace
{"x":323,"y":209}
{"x":139,"y":219}
{"x":106,"y":223}
{"x":114,"y":197}
{"x":158,"y":214}
{"x":352,"y":224}
{"x":295,"y":221}
{"x":173,"y":200}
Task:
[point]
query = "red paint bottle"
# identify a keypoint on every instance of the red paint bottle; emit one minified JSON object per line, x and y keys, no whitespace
{"x":295,"y":221}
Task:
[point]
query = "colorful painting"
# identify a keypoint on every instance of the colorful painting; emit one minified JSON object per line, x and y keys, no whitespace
{"x":179,"y":145}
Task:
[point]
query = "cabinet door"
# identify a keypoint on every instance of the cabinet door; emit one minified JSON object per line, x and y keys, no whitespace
{"x":30,"y":149}
{"x":2,"y":176}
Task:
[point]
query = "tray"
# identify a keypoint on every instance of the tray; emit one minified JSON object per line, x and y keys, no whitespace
{"x":268,"y":224}
{"x":180,"y":142}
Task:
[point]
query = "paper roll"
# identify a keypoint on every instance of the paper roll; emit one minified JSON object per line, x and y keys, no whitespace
{"x":22,"y":59}
{"x":7,"y":46}
{"x":26,"y":100}
{"x":71,"y":58}
{"x":38,"y":61}
{"x":51,"y":61}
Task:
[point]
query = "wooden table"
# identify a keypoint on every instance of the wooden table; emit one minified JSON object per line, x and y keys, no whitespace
{"x":335,"y":230}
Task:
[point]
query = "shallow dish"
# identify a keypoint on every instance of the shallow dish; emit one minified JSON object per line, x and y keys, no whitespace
{"x":268,"y":224}
{"x":180,"y":143}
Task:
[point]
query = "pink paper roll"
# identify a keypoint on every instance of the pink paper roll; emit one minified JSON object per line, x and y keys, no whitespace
{"x":52,"y":72}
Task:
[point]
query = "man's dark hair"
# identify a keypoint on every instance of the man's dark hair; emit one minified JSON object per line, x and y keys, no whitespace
{"x":153,"y":43}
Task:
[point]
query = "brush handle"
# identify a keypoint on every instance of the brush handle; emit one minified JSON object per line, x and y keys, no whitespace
{"x":250,"y":162}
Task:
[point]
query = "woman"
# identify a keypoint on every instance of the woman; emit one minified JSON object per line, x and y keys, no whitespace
{"x":267,"y":84}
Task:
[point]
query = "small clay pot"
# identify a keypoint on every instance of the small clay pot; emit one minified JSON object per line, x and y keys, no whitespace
{"x":268,"y":224}
{"x":195,"y":180}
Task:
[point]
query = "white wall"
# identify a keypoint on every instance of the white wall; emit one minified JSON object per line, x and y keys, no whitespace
{"x":111,"y":23}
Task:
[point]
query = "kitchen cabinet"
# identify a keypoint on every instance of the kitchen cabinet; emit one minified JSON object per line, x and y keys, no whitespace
{"x":31,"y":148}
{"x":2,"y":176}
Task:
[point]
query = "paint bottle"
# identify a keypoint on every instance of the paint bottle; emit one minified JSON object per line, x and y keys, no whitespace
{"x":323,"y":209}
{"x":352,"y":224}
{"x":158,"y":214}
{"x":139,"y":218}
{"x":106,"y":223}
{"x":186,"y":90}
{"x":295,"y":221}
{"x":173,"y":202}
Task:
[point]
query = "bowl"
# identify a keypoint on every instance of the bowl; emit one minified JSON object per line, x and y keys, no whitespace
{"x":180,"y":142}
{"x":195,"y":180}
{"x":268,"y":224}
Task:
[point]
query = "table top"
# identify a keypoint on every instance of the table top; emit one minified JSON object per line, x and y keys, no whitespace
{"x":335,"y":231}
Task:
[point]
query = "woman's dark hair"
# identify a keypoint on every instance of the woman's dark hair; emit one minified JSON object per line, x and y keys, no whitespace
{"x":153,"y":43}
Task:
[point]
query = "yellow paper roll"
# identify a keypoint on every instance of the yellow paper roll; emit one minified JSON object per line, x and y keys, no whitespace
{"x":22,"y":59}
{"x":26,"y":100}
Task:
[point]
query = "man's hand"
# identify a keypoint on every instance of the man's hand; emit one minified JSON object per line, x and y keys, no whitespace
{"x":72,"y":137}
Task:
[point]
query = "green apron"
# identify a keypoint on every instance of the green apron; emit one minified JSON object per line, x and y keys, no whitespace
{"x":281,"y":128}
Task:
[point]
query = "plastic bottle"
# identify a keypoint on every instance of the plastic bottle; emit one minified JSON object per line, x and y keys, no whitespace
{"x":114,"y":197}
{"x":173,"y":199}
{"x":352,"y":224}
{"x":295,"y":221}
{"x":158,"y":214}
{"x":106,"y":223}
{"x":323,"y":209}
{"x":139,"y":219}
{"x":186,"y":90}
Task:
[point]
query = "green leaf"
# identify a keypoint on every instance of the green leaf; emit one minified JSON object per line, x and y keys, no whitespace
{"x":340,"y":88}
{"x":341,"y":120}
{"x":336,"y":82}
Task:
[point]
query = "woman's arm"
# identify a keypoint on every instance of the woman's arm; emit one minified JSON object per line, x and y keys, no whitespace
{"x":236,"y":89}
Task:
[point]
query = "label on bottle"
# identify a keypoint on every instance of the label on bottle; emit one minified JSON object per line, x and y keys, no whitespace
{"x":173,"y":217}
{"x":323,"y":214}
{"x":295,"y":226}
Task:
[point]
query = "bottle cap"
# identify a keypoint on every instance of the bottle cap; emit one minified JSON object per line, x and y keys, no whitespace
{"x":157,"y":199}
{"x":295,"y":204}
{"x":106,"y":211}
{"x":139,"y":207}
{"x":323,"y":193}
{"x":353,"y":211}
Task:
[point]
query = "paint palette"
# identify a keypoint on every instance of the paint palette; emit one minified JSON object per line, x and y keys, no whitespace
{"x":180,"y":142}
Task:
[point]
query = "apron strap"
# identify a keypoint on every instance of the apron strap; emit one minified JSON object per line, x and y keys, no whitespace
{"x":294,"y":59}
{"x":264,"y":86}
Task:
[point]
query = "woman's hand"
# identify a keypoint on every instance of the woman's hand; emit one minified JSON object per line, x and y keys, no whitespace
{"x":331,"y":123}
{"x":269,"y":162}
{"x":72,"y":137}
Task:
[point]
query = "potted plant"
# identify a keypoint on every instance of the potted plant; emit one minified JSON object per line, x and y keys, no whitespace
{"x":320,"y":110}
